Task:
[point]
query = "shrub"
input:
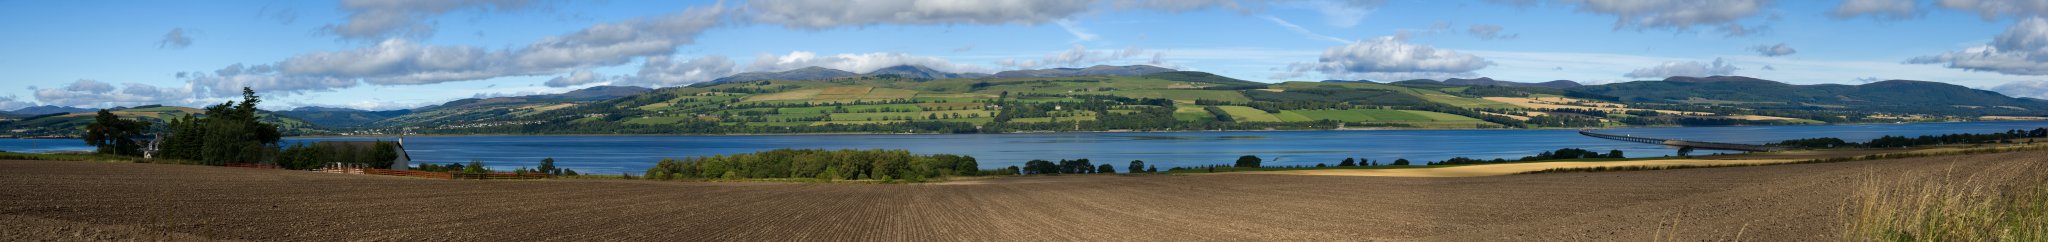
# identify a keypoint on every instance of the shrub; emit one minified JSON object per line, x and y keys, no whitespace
{"x":1248,"y":161}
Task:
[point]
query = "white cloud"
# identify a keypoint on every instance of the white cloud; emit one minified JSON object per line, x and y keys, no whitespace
{"x":372,"y":19}
{"x":405,"y":62}
{"x":664,"y":71}
{"x":577,"y":78}
{"x":2033,"y":89}
{"x":176,"y":39}
{"x":373,"y":105}
{"x":1774,"y":50}
{"x":1992,"y":9}
{"x":1080,"y":34}
{"x":1303,"y":31}
{"x":1180,"y":5}
{"x":1489,"y":32}
{"x":8,"y":103}
{"x":1515,"y":65}
{"x":1684,"y":68}
{"x":2021,"y":50}
{"x":823,"y":14}
{"x":229,"y":81}
{"x":1732,"y":30}
{"x":1389,"y":58}
{"x":90,"y":93}
{"x":1879,"y":9}
{"x":1680,"y":15}
{"x":399,"y":61}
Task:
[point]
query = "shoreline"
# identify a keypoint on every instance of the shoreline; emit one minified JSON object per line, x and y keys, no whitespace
{"x":1116,"y":131}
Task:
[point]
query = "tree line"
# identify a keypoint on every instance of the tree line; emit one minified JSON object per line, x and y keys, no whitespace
{"x":885,"y":165}
{"x":1890,"y":141}
{"x":229,"y":132}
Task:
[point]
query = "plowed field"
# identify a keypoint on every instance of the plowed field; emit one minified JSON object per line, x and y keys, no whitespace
{"x":69,"y":200}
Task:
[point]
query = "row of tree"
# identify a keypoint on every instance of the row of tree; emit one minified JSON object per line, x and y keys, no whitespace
{"x":1079,"y":166}
{"x":1889,"y":141}
{"x":378,"y":154}
{"x":230,"y":132}
{"x":818,"y":163}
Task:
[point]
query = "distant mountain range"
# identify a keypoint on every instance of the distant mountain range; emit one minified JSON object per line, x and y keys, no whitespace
{"x":921,"y":72}
{"x":1099,"y":70}
{"x":458,"y":109}
{"x":806,"y":73}
{"x":47,"y":109}
{"x":1905,"y":96}
{"x":74,"y":120}
{"x":1482,"y":81}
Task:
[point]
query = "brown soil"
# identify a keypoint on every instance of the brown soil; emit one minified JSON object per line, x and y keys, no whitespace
{"x":1515,"y":168}
{"x":69,"y":200}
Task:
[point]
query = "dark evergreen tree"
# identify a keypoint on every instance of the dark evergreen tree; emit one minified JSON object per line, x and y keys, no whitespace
{"x":114,"y":136}
{"x":1248,"y":161}
{"x":233,"y":134}
{"x":1137,"y":166}
{"x":547,"y":165}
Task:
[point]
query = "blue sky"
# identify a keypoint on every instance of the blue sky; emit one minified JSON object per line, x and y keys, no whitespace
{"x":385,"y":54}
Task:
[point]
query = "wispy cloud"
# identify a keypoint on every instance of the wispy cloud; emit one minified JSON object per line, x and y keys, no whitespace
{"x":1080,"y":34}
{"x":1303,"y":31}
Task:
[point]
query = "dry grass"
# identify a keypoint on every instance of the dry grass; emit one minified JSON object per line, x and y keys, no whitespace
{"x":1523,"y":168}
{"x":1945,"y":207}
{"x":51,"y":200}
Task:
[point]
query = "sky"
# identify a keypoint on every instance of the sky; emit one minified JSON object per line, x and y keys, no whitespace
{"x":397,"y":54}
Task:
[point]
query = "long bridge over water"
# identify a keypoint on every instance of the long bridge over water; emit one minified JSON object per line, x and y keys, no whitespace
{"x":1681,"y":143}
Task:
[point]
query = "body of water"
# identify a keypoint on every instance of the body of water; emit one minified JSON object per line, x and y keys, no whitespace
{"x":615,"y":154}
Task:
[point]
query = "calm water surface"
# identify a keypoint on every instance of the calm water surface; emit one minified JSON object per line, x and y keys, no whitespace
{"x":615,"y":154}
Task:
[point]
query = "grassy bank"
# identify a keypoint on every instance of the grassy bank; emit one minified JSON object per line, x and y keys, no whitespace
{"x":1949,"y":208}
{"x":1886,"y":156}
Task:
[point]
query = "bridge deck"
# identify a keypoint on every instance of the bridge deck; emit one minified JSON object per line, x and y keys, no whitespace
{"x":1680,"y":143}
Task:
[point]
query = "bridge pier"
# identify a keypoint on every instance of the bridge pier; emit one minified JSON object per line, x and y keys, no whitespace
{"x":1680,"y":143}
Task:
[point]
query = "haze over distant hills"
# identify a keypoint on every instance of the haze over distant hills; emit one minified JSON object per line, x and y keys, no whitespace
{"x":1892,"y":93}
{"x":46,"y":109}
{"x":1099,"y":70}
{"x":921,"y":72}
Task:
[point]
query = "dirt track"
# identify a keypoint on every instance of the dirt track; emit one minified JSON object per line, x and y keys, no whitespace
{"x":66,"y":200}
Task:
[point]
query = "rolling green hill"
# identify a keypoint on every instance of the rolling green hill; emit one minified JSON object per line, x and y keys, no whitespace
{"x":1895,"y":96}
{"x":886,"y":103}
{"x":910,"y":100}
{"x":458,"y":111}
